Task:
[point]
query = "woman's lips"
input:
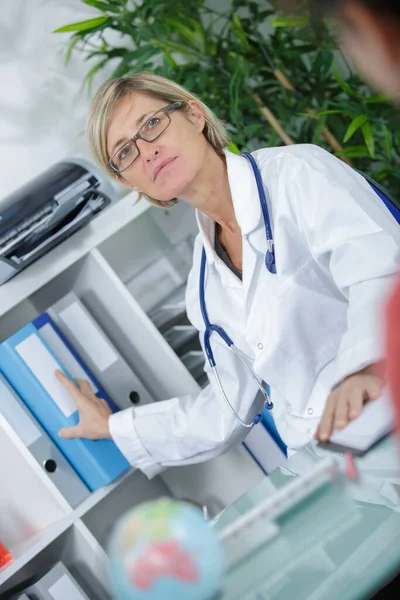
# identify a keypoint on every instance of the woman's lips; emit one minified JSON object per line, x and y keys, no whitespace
{"x":162,"y":166}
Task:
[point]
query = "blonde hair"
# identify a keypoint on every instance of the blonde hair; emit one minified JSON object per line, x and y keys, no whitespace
{"x":155,"y":86}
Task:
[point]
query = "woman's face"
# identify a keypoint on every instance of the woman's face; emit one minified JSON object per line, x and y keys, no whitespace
{"x":166,"y":167}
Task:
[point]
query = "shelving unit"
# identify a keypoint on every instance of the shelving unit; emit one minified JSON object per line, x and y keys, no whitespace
{"x":128,"y":266}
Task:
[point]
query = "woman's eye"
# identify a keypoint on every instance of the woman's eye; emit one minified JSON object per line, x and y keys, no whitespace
{"x":125,"y":152}
{"x":151,"y":123}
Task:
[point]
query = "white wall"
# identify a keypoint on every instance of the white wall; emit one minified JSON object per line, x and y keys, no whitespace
{"x":42,"y":105}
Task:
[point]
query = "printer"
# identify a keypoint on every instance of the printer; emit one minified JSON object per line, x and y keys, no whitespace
{"x":47,"y":210}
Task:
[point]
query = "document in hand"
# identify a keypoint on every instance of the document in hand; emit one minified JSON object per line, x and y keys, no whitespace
{"x":375,"y":422}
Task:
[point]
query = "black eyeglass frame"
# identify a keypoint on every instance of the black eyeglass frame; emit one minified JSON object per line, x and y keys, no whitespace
{"x":166,"y":110}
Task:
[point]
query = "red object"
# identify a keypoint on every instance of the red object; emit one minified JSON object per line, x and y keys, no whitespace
{"x":350,"y":466}
{"x":5,"y":556}
{"x":392,"y":334}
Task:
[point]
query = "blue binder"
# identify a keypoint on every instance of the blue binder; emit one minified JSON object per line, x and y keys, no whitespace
{"x":28,"y":363}
{"x":43,"y":322}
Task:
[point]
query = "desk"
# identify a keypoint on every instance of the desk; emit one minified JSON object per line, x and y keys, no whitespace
{"x":342,"y":544}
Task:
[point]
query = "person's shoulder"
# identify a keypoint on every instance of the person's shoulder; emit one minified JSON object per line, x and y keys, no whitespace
{"x":284,"y":158}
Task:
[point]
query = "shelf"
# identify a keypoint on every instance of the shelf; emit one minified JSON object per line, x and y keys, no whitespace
{"x":77,"y":549}
{"x":153,"y":254}
{"x":178,"y":335}
{"x":120,"y":317}
{"x":130,"y":492}
{"x":21,"y":522}
{"x":193,"y":359}
{"x":100,"y":494}
{"x":109,"y":265}
{"x":32,"y":547}
{"x":99,"y":512}
{"x":136,"y":337}
{"x":170,"y":310}
{"x":69,"y":252}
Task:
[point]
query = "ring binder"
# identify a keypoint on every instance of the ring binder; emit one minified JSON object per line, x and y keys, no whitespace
{"x":84,"y":333}
{"x":41,"y":447}
{"x":29,"y":365}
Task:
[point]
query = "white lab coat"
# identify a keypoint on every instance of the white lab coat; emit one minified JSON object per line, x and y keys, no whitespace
{"x":302,"y":330}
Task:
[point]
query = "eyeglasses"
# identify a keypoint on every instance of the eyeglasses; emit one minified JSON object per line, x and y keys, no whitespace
{"x":125,"y":156}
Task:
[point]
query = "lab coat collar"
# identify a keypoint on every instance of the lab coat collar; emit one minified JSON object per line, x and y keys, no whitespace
{"x":245,"y":200}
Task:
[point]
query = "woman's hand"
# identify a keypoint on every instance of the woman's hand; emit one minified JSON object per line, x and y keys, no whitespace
{"x":346,"y":401}
{"x":93,"y":411}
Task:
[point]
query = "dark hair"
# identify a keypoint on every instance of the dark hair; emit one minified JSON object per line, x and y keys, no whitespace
{"x":383,"y":8}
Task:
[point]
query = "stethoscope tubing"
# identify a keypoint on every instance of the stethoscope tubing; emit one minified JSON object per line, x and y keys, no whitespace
{"x":211,"y":328}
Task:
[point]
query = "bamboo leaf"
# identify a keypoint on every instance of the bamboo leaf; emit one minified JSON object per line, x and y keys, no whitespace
{"x":298,"y":50}
{"x":180,"y":48}
{"x":369,"y":138}
{"x":170,"y":60}
{"x":354,"y":126}
{"x":103,"y":6}
{"x":233,"y":148}
{"x":290,"y":22}
{"x":198,"y":27}
{"x":187,"y":34}
{"x":137,"y":58}
{"x":328,"y":112}
{"x":323,"y":63}
{"x":382,"y":174}
{"x":92,"y":72}
{"x":387,"y":141}
{"x":345,"y":86}
{"x":71,"y":45}
{"x":240,"y":31}
{"x":316,"y":139}
{"x":377,"y":99}
{"x":82,"y":25}
{"x":308,"y":115}
{"x":353,"y":152}
{"x":252,"y":129}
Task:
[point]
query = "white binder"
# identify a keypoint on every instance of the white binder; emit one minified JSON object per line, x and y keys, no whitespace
{"x":57,"y":584}
{"x":41,"y":446}
{"x":98,"y":353}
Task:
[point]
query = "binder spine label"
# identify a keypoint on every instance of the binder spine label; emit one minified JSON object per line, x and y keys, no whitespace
{"x":43,"y":365}
{"x":95,"y":344}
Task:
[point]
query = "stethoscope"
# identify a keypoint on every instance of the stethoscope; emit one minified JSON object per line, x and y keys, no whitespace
{"x":211,"y":327}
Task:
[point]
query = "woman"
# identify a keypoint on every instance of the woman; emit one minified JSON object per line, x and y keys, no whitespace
{"x":307,"y":330}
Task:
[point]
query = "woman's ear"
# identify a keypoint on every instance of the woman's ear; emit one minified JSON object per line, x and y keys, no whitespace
{"x":195,"y":114}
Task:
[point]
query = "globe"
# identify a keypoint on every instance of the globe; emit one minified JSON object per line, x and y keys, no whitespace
{"x":165,"y":550}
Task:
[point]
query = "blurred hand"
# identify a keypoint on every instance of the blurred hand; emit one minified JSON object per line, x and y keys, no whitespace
{"x":93,"y":411}
{"x":346,"y":401}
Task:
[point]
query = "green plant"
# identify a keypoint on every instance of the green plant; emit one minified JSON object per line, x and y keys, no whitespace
{"x":273,"y":80}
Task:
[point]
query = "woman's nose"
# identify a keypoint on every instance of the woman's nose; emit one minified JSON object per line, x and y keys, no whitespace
{"x":147,"y":150}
